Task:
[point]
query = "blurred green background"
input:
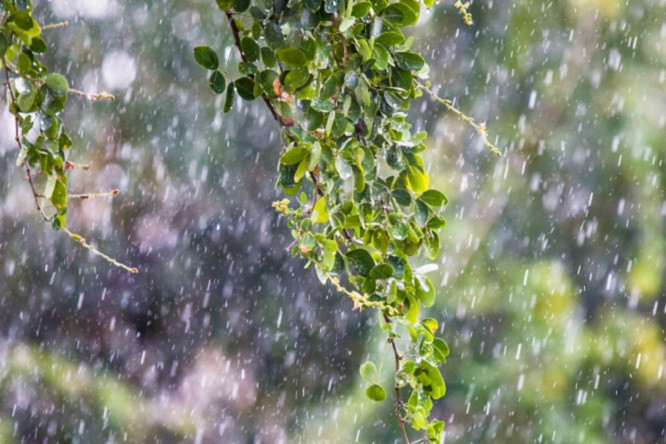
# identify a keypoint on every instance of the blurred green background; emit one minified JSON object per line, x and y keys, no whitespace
{"x":552,"y":294}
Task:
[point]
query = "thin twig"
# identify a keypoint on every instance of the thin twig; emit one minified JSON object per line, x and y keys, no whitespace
{"x":55,"y":25}
{"x":345,"y":51}
{"x":237,"y":42}
{"x":93,"y":97}
{"x":479,"y":127}
{"x":398,"y":402}
{"x":20,"y":143}
{"x":94,"y":195}
{"x":361,"y":301}
{"x":84,"y":244}
{"x":77,"y":238}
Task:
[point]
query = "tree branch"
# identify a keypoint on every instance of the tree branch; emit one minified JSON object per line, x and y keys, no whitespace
{"x":345,"y":51}
{"x":237,"y":42}
{"x":77,"y":238}
{"x":17,"y":136}
{"x":398,"y":402}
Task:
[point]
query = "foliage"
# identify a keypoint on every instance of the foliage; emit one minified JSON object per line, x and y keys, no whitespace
{"x":36,"y":98}
{"x":596,"y":126}
{"x":339,"y":77}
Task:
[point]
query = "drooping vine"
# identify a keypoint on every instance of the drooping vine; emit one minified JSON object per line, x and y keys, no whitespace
{"x":36,"y":98}
{"x":338,"y":77}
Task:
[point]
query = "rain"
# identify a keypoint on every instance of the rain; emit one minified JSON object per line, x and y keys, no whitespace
{"x":551,"y":281}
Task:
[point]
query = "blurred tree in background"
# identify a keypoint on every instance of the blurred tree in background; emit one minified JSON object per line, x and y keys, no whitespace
{"x":552,"y":274}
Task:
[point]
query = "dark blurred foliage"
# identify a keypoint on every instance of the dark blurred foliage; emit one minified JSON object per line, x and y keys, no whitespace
{"x":552,"y":290}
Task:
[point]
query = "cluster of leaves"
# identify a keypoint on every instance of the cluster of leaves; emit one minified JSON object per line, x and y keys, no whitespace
{"x":36,"y":98}
{"x":338,"y":77}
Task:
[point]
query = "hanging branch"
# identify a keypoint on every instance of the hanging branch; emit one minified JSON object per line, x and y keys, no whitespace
{"x":360,"y":224}
{"x":39,"y":93}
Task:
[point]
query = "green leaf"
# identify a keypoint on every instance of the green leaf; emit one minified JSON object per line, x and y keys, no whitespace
{"x":315,"y":155}
{"x":380,"y":241}
{"x":241,"y":5}
{"x":229,"y":102}
{"x":250,"y":49}
{"x":360,"y":10}
{"x":376,"y":392}
{"x":432,"y":244}
{"x":418,"y":421}
{"x":390,"y":39}
{"x":286,"y":176}
{"x":37,"y":45}
{"x":351,"y":79}
{"x":428,"y":3}
{"x":49,"y":187}
{"x":329,"y":254}
{"x":402,"y":197}
{"x":320,"y":212}
{"x":24,"y":64}
{"x":26,"y":101}
{"x":360,"y":261}
{"x":292,"y":56}
{"x":381,"y":271}
{"x":364,"y":49}
{"x":414,"y":5}
{"x":331,"y":6}
{"x":347,"y":23}
{"x":296,"y":78}
{"x":206,"y":57}
{"x":436,"y":223}
{"x":425,"y":295}
{"x":437,"y":388}
{"x":339,"y":125}
{"x":322,"y":105}
{"x":398,"y":265}
{"x":417,"y":179}
{"x":399,"y":229}
{"x":58,"y":84}
{"x":399,"y":14}
{"x":217,"y":82}
{"x":23,"y":20}
{"x":393,"y":100}
{"x":245,"y":88}
{"x":381,"y":57}
{"x":430,"y":324}
{"x":359,"y":179}
{"x":313,"y":5}
{"x":379,"y":5}
{"x":434,"y":198}
{"x":59,"y":199}
{"x":273,"y":34}
{"x":368,"y":371}
{"x":293,"y":156}
{"x":4,"y":44}
{"x":329,"y":123}
{"x":409,"y":61}
{"x":259,"y":15}
{"x":421,"y":212}
{"x":413,"y":311}
{"x":434,"y":430}
{"x":224,"y":4}
{"x":247,"y":68}
{"x":265,"y":79}
{"x":301,"y":170}
{"x":343,"y":167}
{"x":441,"y":349}
{"x":268,"y":57}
